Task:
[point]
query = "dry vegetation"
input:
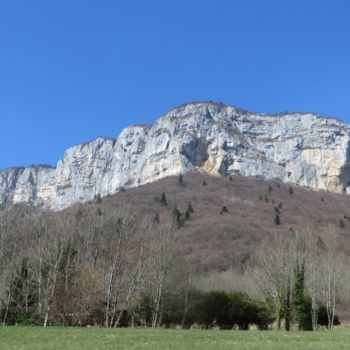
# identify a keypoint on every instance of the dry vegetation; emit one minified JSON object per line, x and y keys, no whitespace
{"x":144,"y":250}
{"x":217,"y":241}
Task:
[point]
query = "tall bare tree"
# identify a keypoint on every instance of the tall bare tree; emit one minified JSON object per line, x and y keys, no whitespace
{"x":161,"y":249}
{"x":273,"y":269}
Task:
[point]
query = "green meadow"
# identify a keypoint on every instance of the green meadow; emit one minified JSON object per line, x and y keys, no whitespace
{"x":59,"y":338}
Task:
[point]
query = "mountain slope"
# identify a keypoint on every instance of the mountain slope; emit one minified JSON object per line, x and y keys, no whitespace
{"x":208,"y":137}
{"x":214,"y":240}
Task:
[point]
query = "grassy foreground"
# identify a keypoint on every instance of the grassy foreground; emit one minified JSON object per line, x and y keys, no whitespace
{"x":36,"y":338}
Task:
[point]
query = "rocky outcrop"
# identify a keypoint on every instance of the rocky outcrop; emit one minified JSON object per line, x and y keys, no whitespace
{"x":304,"y":149}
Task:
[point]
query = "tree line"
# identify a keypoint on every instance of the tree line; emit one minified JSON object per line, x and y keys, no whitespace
{"x":100,"y":265}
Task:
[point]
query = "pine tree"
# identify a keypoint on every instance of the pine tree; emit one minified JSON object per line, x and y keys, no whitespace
{"x":277,"y":220}
{"x":190,"y":208}
{"x":299,"y":300}
{"x":156,"y":219}
{"x":287,"y":308}
{"x":181,"y":180}
{"x":177,"y":217}
{"x":224,"y":210}
{"x":163,"y":200}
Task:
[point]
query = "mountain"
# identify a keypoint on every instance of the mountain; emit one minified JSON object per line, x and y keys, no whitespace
{"x":213,"y":138}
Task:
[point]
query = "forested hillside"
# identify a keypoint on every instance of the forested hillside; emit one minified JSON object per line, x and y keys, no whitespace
{"x":154,"y":255}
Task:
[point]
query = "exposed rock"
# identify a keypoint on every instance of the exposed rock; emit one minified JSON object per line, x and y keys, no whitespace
{"x":221,"y":140}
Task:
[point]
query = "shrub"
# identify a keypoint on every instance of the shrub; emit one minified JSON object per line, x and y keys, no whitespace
{"x":227,"y":310}
{"x":322,"y":319}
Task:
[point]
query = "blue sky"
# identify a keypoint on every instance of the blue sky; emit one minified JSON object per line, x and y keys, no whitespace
{"x":74,"y":70}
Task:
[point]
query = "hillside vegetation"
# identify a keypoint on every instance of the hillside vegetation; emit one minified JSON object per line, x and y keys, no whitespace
{"x":192,"y":249}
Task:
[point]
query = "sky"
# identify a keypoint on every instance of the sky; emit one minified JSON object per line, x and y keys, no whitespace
{"x":73,"y":70}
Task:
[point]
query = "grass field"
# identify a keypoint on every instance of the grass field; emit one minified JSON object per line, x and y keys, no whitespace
{"x":36,"y":338}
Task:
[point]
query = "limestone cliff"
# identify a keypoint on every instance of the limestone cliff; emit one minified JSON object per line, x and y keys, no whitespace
{"x":304,"y":149}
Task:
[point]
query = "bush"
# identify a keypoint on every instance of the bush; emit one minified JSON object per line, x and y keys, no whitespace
{"x":228,"y":310}
{"x":206,"y":309}
{"x":323,"y":317}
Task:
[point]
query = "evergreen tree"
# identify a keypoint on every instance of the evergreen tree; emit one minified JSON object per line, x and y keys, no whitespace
{"x":163,"y":199}
{"x":23,"y":295}
{"x":277,"y":220}
{"x":177,"y":217}
{"x":287,"y":308}
{"x":190,"y":208}
{"x":156,"y":219}
{"x":299,"y":298}
{"x":181,"y":180}
{"x":98,"y":198}
{"x":224,"y":210}
{"x":188,"y":212}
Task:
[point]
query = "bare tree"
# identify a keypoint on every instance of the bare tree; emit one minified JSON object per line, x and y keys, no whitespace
{"x":329,"y":263}
{"x":9,"y":256}
{"x":313,"y":274}
{"x":116,"y":246}
{"x":161,"y":250}
{"x":273,"y":268}
{"x":52,"y":237}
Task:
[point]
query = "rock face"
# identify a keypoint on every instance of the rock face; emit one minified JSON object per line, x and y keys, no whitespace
{"x":304,"y":149}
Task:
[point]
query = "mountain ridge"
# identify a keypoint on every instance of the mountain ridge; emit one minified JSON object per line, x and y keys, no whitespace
{"x":218,"y":139}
